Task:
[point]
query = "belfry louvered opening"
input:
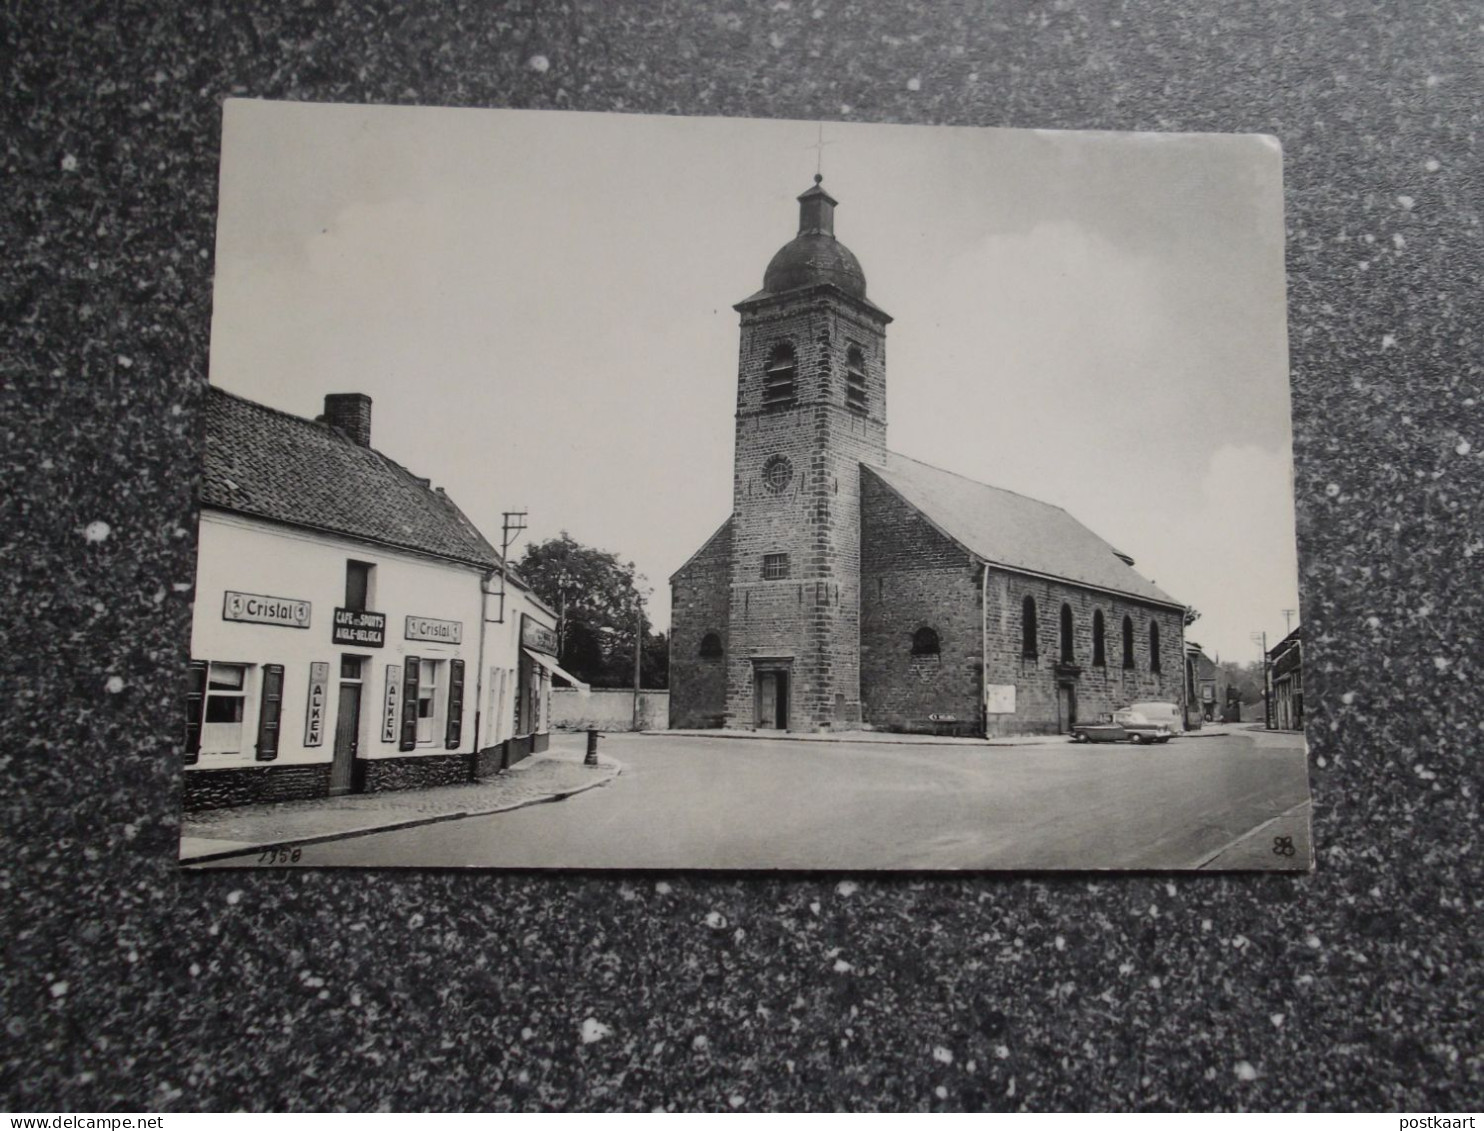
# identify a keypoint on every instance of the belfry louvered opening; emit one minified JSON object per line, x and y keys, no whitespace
{"x":780,"y":377}
{"x":855,"y":380}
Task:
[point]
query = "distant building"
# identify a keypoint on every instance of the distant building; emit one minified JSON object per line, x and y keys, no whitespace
{"x":1201,"y":680}
{"x":1286,"y":683}
{"x":853,"y":587}
{"x":352,"y":630}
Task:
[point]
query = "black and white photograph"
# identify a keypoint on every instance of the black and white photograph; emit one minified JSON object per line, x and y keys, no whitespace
{"x":610,"y":491}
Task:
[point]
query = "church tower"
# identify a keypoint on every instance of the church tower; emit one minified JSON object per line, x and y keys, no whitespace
{"x":811,"y":408}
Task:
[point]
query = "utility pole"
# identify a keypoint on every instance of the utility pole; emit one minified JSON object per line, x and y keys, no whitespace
{"x":638,"y":652}
{"x":514,"y":523}
{"x":1261,"y":640}
{"x":1288,"y":620}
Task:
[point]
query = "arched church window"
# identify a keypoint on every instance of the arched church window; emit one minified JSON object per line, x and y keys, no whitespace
{"x":1128,"y":642}
{"x":1099,"y":651}
{"x":1066,"y":634}
{"x":1153,"y":646}
{"x":925,"y":642}
{"x":779,"y":377}
{"x":855,"y":379}
{"x":1028,"y":627}
{"x":711,"y":646}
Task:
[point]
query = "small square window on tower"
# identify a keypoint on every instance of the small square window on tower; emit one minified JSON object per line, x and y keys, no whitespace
{"x":775,"y":567}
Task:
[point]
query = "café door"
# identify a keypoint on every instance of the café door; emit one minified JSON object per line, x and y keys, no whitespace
{"x":347,"y":739}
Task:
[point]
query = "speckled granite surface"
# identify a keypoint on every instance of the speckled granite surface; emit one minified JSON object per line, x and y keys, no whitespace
{"x":129,"y":984}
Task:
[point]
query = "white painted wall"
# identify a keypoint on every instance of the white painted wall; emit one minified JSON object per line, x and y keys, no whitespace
{"x":503,"y":668}
{"x":606,"y":708}
{"x":238,"y":553}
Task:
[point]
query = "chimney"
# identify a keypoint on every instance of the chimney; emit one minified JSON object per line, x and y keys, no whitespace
{"x":351,"y":414}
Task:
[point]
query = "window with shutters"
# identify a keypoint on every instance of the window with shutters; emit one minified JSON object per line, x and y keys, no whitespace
{"x":780,"y":377}
{"x":855,"y":379}
{"x":225,"y":709}
{"x":429,"y":679}
{"x":453,"y":734}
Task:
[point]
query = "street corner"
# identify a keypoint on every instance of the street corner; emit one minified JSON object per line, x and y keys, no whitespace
{"x":1283,"y":844}
{"x":229,"y":835}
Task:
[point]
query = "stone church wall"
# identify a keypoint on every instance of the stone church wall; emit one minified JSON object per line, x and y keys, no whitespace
{"x":912,"y":577}
{"x":699,"y":598}
{"x":1098,"y":688}
{"x":809,"y":619}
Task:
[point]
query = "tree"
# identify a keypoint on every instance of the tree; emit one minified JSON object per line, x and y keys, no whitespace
{"x":599,"y":602}
{"x":656,"y":660}
{"x":1246,"y":678}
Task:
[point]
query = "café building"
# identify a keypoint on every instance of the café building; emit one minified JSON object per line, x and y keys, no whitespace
{"x":353,"y":631}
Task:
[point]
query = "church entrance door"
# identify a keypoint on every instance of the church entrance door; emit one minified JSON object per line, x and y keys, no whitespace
{"x":1066,"y":707}
{"x":772,"y":699}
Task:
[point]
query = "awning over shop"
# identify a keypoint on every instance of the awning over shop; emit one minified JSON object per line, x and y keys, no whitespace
{"x":556,"y":669}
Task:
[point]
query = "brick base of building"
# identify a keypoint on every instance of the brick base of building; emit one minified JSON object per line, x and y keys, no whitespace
{"x":501,"y":756}
{"x":221,"y":789}
{"x":421,"y":772}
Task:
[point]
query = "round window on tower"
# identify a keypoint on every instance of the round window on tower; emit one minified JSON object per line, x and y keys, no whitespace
{"x":778,"y":473}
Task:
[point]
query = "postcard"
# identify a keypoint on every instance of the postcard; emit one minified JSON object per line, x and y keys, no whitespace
{"x":598,"y":491}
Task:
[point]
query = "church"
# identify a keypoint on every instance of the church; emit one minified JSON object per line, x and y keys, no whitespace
{"x":854,"y":588}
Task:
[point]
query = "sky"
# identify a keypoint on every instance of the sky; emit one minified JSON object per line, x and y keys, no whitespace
{"x":539,"y":304}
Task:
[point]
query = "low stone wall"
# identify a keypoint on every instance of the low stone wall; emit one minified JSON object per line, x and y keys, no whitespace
{"x":421,"y":772}
{"x":608,"y":708}
{"x":220,"y":789}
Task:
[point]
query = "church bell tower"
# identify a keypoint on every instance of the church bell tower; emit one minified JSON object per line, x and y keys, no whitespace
{"x":811,"y":408}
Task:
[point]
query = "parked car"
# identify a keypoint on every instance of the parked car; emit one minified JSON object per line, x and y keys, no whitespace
{"x":1141,"y":728}
{"x":1167,"y":713}
{"x":1124,"y":725}
{"x":1105,"y":730}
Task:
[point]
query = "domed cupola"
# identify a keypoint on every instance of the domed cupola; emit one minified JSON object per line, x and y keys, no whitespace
{"x":815,"y":256}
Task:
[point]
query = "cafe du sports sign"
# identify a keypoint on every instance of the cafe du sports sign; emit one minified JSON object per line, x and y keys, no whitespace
{"x":254,"y":608}
{"x":359,"y":628}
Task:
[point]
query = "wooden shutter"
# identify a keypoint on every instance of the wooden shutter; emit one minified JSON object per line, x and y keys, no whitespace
{"x":409,"y":703}
{"x":455,"y":733}
{"x":195,"y":706}
{"x":270,"y":712}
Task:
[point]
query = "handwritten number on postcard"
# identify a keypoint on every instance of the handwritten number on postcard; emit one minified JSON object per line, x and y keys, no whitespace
{"x":1282,"y":846}
{"x":280,"y":855}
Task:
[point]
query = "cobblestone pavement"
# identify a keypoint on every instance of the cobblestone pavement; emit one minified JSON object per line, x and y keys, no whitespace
{"x":545,"y":777}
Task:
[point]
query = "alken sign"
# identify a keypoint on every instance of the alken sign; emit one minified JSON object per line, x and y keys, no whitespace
{"x":254,"y":608}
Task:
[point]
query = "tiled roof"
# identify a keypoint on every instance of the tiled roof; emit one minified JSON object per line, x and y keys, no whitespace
{"x":272,"y":465}
{"x":723,"y":532}
{"x":1006,"y":529}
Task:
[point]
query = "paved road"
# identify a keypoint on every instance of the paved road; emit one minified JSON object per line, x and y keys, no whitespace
{"x":685,"y":802}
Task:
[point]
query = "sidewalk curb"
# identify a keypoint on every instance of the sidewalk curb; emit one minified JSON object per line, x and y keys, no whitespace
{"x":1202,"y":863}
{"x":397,"y":826}
{"x":904,"y":740}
